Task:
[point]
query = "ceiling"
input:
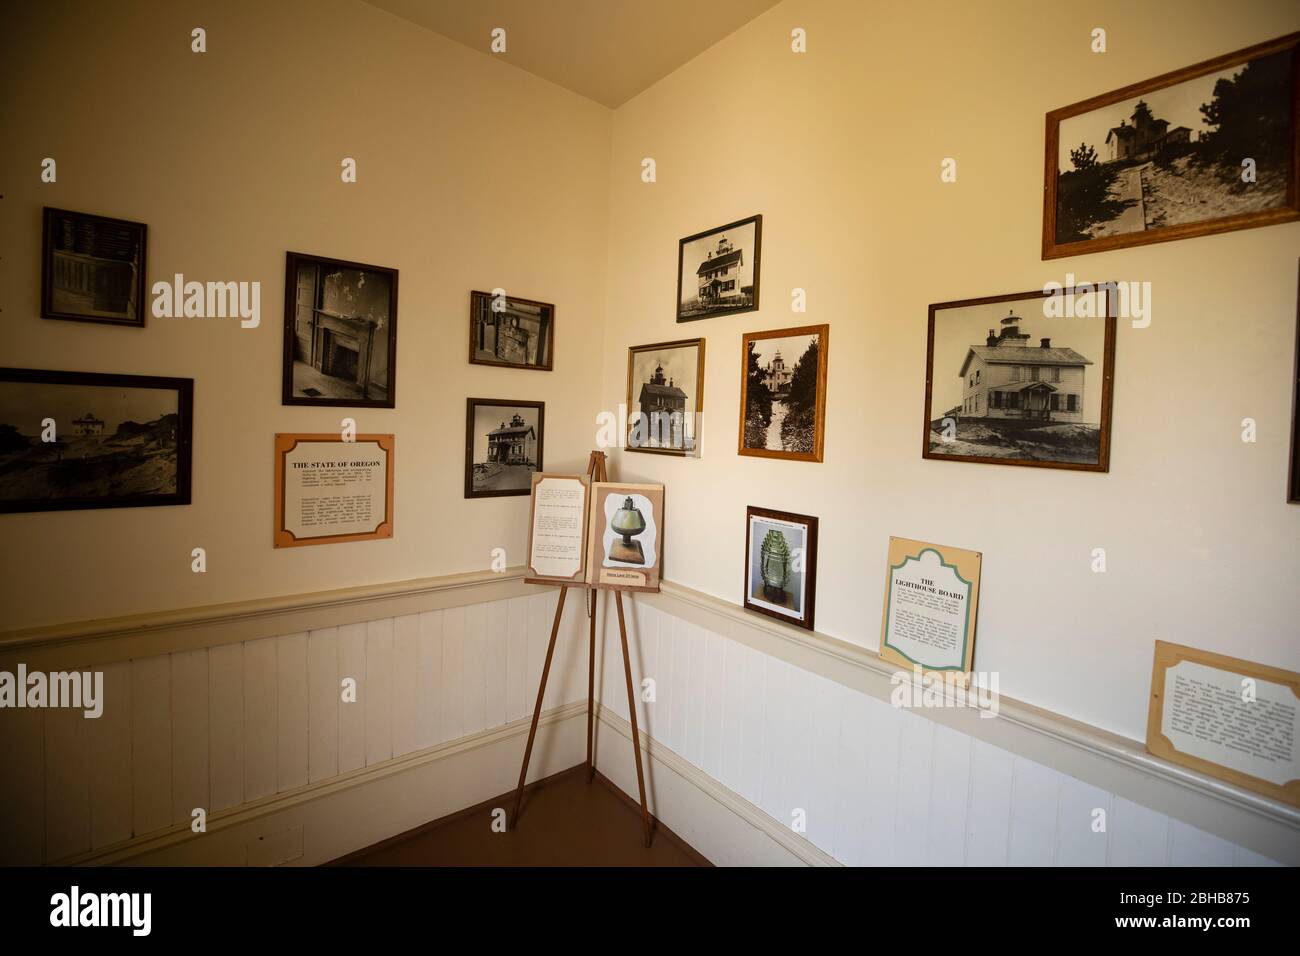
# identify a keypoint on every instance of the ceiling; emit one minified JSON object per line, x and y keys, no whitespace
{"x":607,"y":50}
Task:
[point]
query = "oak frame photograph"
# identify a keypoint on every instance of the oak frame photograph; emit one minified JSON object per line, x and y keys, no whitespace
{"x":340,"y":337}
{"x":726,"y":272}
{"x":519,"y":335}
{"x":798,"y":390}
{"x":675,"y":392}
{"x":773,"y":563}
{"x":123,"y":438}
{"x":511,"y":452}
{"x":1233,"y":148}
{"x":93,"y":268}
{"x":1037,"y":399}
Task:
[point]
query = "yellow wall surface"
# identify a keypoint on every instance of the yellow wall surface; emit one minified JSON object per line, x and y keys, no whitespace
{"x":471,"y":175}
{"x":839,"y":149}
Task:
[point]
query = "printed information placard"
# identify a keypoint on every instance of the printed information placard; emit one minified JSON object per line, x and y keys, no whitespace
{"x":328,"y":490}
{"x":931,"y":603}
{"x":1226,"y":717}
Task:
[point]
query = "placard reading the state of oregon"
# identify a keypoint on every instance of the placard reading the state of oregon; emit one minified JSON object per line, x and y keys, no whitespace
{"x":931,"y":602}
{"x":328,"y":490}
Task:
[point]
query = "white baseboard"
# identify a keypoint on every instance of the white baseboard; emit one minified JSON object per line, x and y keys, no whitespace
{"x":322,"y":822}
{"x":715,"y":820}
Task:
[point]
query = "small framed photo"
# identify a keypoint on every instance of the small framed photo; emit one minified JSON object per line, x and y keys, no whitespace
{"x":73,"y":440}
{"x":92,"y":268}
{"x":340,"y":333}
{"x":781,"y":565}
{"x":503,"y":446}
{"x":665,"y":397}
{"x":1205,"y":149}
{"x":511,"y":332}
{"x":783,"y":393}
{"x":1022,"y":379}
{"x":717,"y":270}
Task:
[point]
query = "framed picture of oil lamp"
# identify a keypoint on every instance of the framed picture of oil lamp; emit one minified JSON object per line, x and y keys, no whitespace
{"x":781,"y":565}
{"x":626,"y":536}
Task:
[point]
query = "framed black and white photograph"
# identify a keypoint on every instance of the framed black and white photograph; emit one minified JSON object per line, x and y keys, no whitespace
{"x":1293,"y":476}
{"x":783,"y":393}
{"x":92,"y":268}
{"x":340,"y":333}
{"x":665,"y":397}
{"x":1205,"y":149}
{"x":71,"y":440}
{"x":781,"y":565}
{"x":717,"y":270}
{"x":511,"y":332}
{"x":1022,"y":379}
{"x":503,"y":446}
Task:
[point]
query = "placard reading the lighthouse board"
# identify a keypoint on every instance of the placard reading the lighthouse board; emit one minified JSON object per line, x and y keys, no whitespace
{"x":931,"y":603}
{"x":557,"y":529}
{"x":328,"y":490}
{"x":1228,"y":718}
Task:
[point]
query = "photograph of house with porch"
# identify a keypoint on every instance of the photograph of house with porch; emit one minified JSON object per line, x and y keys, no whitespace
{"x":1019,"y":381}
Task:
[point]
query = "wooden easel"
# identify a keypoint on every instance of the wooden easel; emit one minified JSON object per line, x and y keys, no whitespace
{"x":596,"y":472}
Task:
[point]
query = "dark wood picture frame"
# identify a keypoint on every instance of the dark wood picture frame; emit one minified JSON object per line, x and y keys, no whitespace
{"x":632,"y":352}
{"x":184,"y":389}
{"x":473,"y":403}
{"x":809,"y":569}
{"x":1293,"y":481}
{"x":49,"y":218}
{"x":287,"y":397}
{"x":476,"y":297}
{"x":1052,"y":249}
{"x":752,"y":306}
{"x":1107,"y":289}
{"x":819,"y":427}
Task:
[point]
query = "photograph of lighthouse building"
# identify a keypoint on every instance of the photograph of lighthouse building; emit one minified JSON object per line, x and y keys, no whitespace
{"x":1021,"y":379}
{"x":783,"y":393}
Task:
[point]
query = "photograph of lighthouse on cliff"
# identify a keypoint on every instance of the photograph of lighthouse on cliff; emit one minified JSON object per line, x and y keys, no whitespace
{"x":1022,"y":379}
{"x":783,"y":393}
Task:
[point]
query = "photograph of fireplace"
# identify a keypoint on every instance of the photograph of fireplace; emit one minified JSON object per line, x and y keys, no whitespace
{"x":340,"y":333}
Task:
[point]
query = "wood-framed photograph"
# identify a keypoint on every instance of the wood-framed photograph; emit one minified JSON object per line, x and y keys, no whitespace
{"x":718,"y":270}
{"x":511,"y":332}
{"x":1205,"y":149}
{"x":340,"y":333}
{"x":1293,"y":480}
{"x":73,"y":440}
{"x":783,"y":393}
{"x":503,"y":446}
{"x":781,"y":565}
{"x":331,"y":491}
{"x":1022,"y":379}
{"x":92,"y":268}
{"x":665,"y":397}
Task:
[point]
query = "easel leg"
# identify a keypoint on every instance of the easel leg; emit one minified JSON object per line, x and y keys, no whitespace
{"x":591,"y":687}
{"x":631,"y":710}
{"x":537,"y":710}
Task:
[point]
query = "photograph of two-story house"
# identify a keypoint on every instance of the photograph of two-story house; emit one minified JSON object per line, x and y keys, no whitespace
{"x":1020,"y":381}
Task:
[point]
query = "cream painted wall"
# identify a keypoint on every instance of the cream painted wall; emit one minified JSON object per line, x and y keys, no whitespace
{"x":840,"y":149}
{"x":472,"y":175}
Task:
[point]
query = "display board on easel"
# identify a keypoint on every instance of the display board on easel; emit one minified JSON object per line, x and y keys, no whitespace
{"x":587,"y":532}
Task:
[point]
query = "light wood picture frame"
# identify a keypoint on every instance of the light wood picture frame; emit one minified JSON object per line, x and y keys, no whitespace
{"x":665,"y":397}
{"x":1144,"y":148}
{"x":783,"y":393}
{"x":1232,"y":674}
{"x":364,"y":465}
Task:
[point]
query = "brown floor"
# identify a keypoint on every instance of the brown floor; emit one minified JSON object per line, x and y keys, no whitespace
{"x":565,"y":821}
